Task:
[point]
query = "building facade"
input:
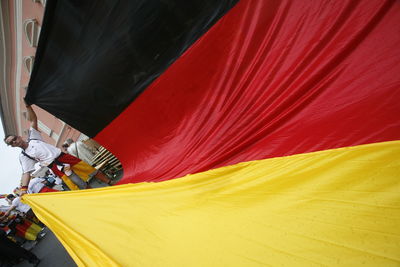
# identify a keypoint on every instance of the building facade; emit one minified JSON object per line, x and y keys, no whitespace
{"x":20,"y":25}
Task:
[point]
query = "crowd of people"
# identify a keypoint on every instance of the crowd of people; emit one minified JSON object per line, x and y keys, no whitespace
{"x":45,"y":168}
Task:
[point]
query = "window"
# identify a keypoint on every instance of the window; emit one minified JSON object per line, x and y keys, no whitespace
{"x":54,"y":135}
{"x":32,"y":30}
{"x":28,"y":63}
{"x":43,"y":128}
{"x":43,"y":2}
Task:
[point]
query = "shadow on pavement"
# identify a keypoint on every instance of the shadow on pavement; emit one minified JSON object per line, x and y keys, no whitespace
{"x":51,"y":253}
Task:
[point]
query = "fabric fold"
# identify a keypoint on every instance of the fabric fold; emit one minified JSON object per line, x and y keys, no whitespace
{"x":334,"y":207}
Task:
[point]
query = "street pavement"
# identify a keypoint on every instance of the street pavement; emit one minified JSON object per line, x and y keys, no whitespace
{"x":50,"y":252}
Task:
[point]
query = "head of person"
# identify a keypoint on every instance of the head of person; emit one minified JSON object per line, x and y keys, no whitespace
{"x":65,"y":146}
{"x":69,"y":141}
{"x":10,"y":197}
{"x":17,"y":191}
{"x":14,"y":140}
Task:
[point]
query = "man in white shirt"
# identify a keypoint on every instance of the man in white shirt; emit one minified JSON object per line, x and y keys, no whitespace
{"x":78,"y":149}
{"x":73,"y":171}
{"x":16,"y":204}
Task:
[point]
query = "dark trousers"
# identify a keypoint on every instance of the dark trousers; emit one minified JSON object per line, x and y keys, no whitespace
{"x":11,"y":252}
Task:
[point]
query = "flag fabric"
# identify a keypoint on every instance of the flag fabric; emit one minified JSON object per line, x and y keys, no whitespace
{"x":335,"y":207}
{"x":79,"y":167}
{"x":23,"y":228}
{"x":28,"y":230}
{"x":262,"y":132}
{"x":113,"y":50}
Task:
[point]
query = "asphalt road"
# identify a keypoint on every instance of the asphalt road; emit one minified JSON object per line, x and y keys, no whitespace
{"x":51,"y":253}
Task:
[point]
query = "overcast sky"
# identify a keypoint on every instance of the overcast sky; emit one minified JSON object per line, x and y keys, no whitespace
{"x":10,"y":170}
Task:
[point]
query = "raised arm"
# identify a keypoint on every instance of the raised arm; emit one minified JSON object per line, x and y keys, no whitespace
{"x":7,"y":213}
{"x":25,"y":178}
{"x":32,"y":117}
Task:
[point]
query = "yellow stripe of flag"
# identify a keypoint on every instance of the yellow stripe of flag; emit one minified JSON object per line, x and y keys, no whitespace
{"x":337,"y":207}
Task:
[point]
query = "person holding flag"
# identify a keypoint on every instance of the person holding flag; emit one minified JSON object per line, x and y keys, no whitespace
{"x":74,"y":172}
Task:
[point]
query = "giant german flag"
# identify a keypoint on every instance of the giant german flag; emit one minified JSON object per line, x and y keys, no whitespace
{"x":279,"y":119}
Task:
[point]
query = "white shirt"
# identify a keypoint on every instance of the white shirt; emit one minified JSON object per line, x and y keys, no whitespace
{"x":39,"y":150}
{"x":81,"y":151}
{"x":35,"y":185}
{"x":19,"y":205}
